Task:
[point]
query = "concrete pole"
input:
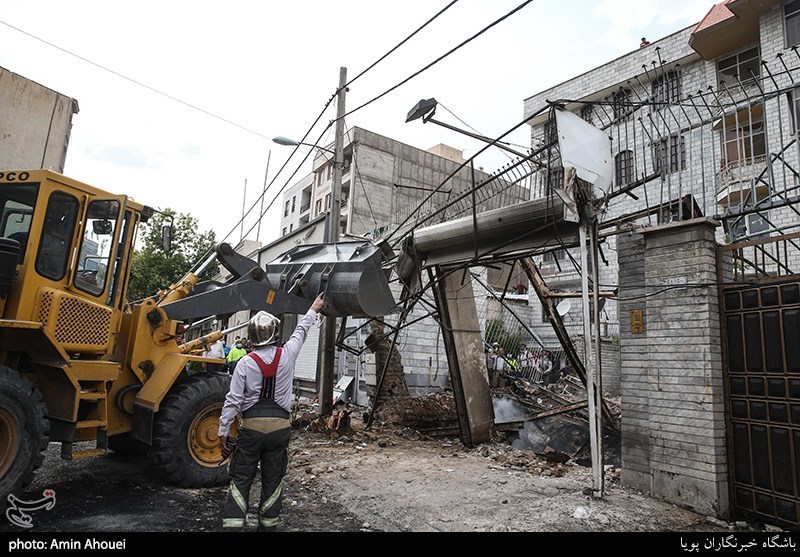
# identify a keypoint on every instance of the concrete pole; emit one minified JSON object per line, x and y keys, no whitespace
{"x":328,"y":333}
{"x":589,"y":358}
{"x":597,"y":416}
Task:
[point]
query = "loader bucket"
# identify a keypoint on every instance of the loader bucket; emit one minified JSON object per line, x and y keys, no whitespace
{"x":351,"y":274}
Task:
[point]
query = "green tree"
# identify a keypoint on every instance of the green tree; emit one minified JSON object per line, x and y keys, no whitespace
{"x":153,"y":269}
{"x":496,"y":332}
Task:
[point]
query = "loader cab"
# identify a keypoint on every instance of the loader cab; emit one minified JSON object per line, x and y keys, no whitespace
{"x":73,"y":260}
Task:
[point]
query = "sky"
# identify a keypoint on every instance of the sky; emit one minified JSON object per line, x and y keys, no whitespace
{"x":179,"y":100}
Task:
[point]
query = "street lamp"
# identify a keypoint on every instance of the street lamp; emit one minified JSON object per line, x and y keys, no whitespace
{"x":287,"y":142}
{"x":426,"y":108}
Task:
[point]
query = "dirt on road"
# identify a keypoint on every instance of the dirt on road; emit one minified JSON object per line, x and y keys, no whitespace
{"x":382,"y":479}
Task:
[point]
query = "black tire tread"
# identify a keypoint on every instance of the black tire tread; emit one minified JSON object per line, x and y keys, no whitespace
{"x":10,"y":381}
{"x":169,"y":447}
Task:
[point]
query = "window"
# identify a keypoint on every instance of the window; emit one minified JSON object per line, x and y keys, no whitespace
{"x":294,"y":203}
{"x":545,"y":317}
{"x":667,"y":89}
{"x":669,"y":155}
{"x":587,"y":112}
{"x":59,"y":225}
{"x":94,"y":257}
{"x":286,"y":209}
{"x":623,"y":168}
{"x":743,"y":138}
{"x":327,"y":202}
{"x":749,"y":226}
{"x":283,"y":233}
{"x":291,"y":227}
{"x":554,"y":256}
{"x":793,"y":99}
{"x":318,"y":207}
{"x":621,"y":104}
{"x":550,"y":132}
{"x":555,"y":177}
{"x":791,"y":13}
{"x":744,"y":67}
{"x":330,"y":171}
{"x":116,"y":271}
{"x":17,"y":202}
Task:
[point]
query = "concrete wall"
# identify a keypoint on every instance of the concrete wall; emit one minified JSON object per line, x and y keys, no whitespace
{"x":673,"y":425}
{"x":35,"y":124}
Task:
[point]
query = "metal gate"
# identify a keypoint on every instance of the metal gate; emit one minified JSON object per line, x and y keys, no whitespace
{"x":761,"y":339}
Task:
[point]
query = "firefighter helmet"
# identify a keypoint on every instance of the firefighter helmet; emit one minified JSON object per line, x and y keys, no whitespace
{"x":263,"y":328}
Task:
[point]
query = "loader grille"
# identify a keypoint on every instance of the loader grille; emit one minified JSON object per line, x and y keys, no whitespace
{"x":80,"y":323}
{"x":45,"y":303}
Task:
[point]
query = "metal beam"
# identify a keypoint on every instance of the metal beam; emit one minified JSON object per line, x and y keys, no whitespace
{"x":543,"y":293}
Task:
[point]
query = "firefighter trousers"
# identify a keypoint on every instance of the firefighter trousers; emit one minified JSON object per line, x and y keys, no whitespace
{"x":267,"y":448}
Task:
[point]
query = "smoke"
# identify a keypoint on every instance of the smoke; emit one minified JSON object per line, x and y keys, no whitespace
{"x":506,"y":410}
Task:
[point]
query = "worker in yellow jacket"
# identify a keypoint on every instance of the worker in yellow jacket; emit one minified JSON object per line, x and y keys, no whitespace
{"x":236,"y":354}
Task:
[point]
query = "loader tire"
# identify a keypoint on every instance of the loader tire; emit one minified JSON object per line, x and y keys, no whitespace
{"x":185,"y":442}
{"x":24,"y":431}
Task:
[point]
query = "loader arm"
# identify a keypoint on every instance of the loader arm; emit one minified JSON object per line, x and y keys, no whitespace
{"x":351,"y":274}
{"x":245,"y":293}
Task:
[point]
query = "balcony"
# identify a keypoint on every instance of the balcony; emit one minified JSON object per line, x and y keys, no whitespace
{"x":305,"y":207}
{"x":736,"y":178}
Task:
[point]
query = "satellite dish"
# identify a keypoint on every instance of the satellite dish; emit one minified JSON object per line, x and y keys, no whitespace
{"x":563,"y":307}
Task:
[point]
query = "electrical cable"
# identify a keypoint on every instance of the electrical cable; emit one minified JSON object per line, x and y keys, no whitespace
{"x":401,"y":43}
{"x":440,"y":58}
{"x":136,"y":82}
{"x":374,"y":99}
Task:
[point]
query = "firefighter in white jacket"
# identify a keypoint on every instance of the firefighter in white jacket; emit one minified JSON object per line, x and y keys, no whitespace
{"x":261,"y":390}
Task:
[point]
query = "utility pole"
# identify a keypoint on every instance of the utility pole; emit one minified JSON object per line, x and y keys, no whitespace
{"x":328,"y":334}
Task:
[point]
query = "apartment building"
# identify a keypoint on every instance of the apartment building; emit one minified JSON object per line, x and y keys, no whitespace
{"x":702,"y":122}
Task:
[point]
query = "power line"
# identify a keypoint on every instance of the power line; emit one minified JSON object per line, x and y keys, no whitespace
{"x":139,"y":83}
{"x":442,"y":57}
{"x":401,"y":43}
{"x":303,"y":140}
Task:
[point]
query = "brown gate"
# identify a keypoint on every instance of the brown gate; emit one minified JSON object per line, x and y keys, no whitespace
{"x":761,"y":343}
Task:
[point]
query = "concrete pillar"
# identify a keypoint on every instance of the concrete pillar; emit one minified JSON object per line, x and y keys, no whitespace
{"x":672,"y":402}
{"x":634,"y":380}
{"x":465,"y":356}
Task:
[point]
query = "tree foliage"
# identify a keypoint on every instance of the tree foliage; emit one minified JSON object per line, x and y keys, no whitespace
{"x":496,"y":332}
{"x":153,"y":269}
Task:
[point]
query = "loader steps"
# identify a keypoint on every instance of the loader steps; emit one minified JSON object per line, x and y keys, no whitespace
{"x":92,"y":395}
{"x":87,"y":453}
{"x":92,"y":422}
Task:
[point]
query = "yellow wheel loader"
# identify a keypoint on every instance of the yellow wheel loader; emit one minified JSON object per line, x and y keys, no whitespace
{"x":81,"y":365}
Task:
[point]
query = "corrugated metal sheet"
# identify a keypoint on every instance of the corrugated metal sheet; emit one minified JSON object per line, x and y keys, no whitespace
{"x":306,"y":367}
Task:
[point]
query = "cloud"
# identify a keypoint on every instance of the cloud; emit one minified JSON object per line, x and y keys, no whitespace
{"x":124,"y":155}
{"x":192,"y":151}
{"x":632,"y":16}
{"x":622,"y":23}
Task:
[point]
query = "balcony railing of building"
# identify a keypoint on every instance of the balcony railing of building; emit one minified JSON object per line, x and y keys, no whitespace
{"x":738,"y":175}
